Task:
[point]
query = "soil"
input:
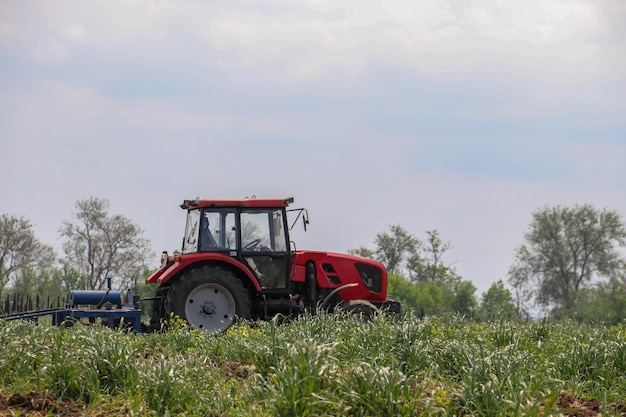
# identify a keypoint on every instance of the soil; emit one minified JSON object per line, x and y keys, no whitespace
{"x":37,"y":404}
{"x":33,"y":404}
{"x":581,"y":407}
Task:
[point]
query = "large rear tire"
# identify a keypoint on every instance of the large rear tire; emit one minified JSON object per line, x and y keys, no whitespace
{"x":209,"y":298}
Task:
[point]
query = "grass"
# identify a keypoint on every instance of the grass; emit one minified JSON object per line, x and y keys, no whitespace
{"x":321,"y":366}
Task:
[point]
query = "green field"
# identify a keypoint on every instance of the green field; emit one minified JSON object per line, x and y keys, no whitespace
{"x":317,"y":366}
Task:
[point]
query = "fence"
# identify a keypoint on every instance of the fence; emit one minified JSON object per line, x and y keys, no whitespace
{"x":16,"y":303}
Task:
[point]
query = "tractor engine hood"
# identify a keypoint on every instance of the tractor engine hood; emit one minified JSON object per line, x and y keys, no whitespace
{"x":337,"y":269}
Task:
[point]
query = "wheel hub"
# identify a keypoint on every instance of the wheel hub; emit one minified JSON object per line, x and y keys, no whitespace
{"x":208,"y":308}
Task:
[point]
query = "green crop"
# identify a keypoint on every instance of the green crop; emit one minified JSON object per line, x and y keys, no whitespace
{"x":324,"y":365}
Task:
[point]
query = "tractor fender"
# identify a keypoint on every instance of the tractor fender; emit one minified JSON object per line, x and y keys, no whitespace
{"x":186,"y":261}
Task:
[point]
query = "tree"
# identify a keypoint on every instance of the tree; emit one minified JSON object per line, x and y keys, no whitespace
{"x":426,"y":261}
{"x":400,"y":289}
{"x":605,"y":303}
{"x":20,"y":250}
{"x":497,"y":301}
{"x":567,"y":250}
{"x":99,"y":246}
{"x":43,"y":283}
{"x":363,"y":252}
{"x":394,"y":247}
{"x":464,"y":300}
{"x":433,"y":286}
{"x":433,"y":298}
{"x":400,"y":252}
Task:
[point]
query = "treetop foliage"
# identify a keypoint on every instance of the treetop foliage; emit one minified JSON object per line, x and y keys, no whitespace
{"x":394,"y":247}
{"x":20,"y":249}
{"x":568,"y":250}
{"x":419,"y":277}
{"x":403,"y":253}
{"x":497,"y":301}
{"x":99,"y":246}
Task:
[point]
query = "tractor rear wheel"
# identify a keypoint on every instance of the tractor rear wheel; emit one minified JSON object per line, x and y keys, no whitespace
{"x":209,"y":299}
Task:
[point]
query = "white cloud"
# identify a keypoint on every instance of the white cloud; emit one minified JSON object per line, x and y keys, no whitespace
{"x":554,"y":39}
{"x":75,"y":32}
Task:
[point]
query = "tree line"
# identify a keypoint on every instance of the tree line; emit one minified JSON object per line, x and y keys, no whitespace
{"x":96,"y":247}
{"x":570,"y":265}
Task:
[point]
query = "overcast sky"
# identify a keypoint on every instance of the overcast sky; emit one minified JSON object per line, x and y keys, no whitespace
{"x":461,"y":116}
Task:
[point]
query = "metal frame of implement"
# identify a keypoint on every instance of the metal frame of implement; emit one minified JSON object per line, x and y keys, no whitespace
{"x":102,"y":302}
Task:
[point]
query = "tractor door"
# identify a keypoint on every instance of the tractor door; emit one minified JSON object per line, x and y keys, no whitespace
{"x":264,"y":246}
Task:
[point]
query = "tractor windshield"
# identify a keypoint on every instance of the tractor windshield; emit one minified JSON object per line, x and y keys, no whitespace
{"x":216,"y":229}
{"x":190,"y":241}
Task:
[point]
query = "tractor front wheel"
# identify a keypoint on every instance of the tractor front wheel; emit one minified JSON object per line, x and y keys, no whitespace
{"x":362,"y":308}
{"x":209,"y":299}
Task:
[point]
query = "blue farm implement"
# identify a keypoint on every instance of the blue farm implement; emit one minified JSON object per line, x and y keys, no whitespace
{"x":104,"y":305}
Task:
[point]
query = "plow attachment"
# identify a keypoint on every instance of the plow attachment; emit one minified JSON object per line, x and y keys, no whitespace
{"x":105,"y":305}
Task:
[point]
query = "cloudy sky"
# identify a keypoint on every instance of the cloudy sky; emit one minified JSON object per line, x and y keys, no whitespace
{"x":461,"y":116}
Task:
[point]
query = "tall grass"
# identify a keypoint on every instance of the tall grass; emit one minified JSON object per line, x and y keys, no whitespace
{"x":321,"y":365}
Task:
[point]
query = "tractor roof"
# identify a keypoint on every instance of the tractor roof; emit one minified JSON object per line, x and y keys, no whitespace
{"x":242,"y":202}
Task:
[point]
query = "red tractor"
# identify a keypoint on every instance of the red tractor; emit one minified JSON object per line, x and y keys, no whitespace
{"x":237,"y":261}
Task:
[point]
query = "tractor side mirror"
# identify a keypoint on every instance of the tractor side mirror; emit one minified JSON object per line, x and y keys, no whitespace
{"x":305,"y":217}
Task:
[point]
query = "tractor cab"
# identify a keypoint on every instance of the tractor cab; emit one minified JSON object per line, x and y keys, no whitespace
{"x":256,"y":234}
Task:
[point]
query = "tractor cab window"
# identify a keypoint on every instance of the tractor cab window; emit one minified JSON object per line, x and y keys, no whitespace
{"x":263,"y":230}
{"x":218,"y":230}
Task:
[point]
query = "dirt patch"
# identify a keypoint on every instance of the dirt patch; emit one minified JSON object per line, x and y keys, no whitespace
{"x":33,"y":404}
{"x":231,"y":368}
{"x":582,"y":407}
